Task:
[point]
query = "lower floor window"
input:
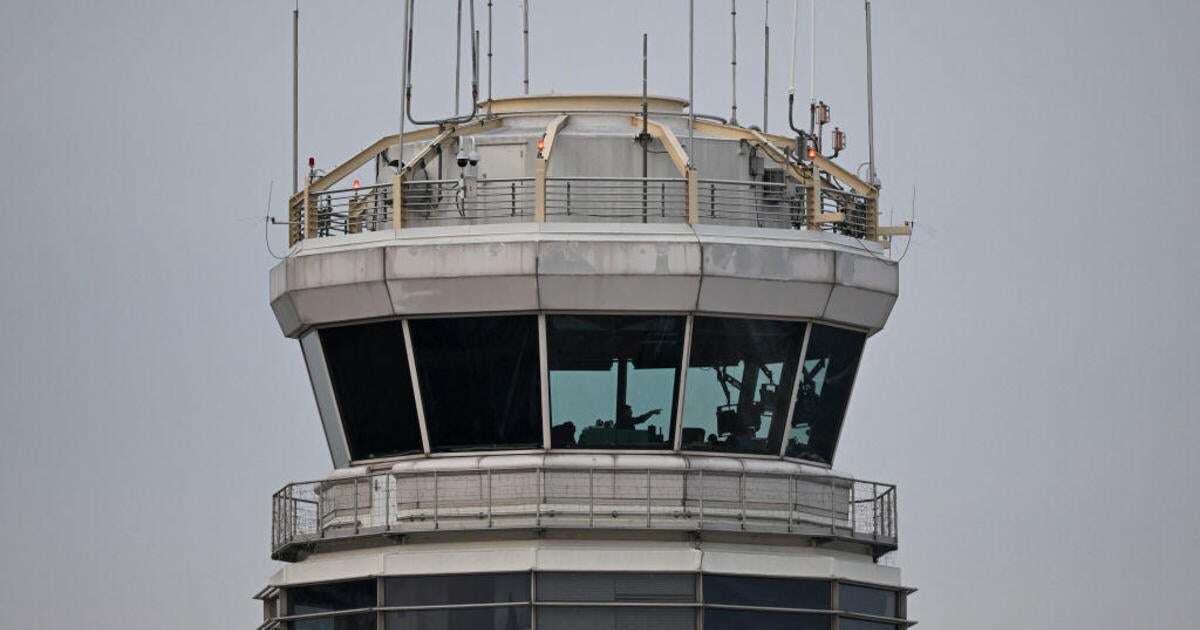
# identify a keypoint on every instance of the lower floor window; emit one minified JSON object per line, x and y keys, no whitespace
{"x":593,"y":601}
{"x":490,"y":618}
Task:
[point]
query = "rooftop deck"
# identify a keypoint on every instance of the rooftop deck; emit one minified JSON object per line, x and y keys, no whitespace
{"x":734,"y":176}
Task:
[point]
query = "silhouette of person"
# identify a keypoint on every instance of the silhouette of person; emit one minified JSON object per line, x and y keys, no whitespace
{"x":626,"y":419}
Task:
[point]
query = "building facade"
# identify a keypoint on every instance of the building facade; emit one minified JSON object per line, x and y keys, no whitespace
{"x":577,"y":370}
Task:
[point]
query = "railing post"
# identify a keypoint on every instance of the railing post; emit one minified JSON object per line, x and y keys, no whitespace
{"x":539,"y":192}
{"x":814,"y":198}
{"x":397,"y":202}
{"x":832,"y":511}
{"x":876,"y":506}
{"x":310,"y":214}
{"x":701,"y":522}
{"x":853,"y":509}
{"x":648,"y":498}
{"x":540,"y":494}
{"x":793,"y":490}
{"x":592,"y":497}
{"x":355,"y":489}
{"x":489,"y":502}
{"x":693,"y":197}
{"x":742,"y":498}
{"x":436,"y":499}
{"x":387,"y":502}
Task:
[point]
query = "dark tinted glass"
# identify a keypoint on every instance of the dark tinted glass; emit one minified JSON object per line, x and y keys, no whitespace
{"x":362,"y":621}
{"x":500,"y":618}
{"x":614,"y":380}
{"x":616,"y":587}
{"x":717,"y":619}
{"x":601,"y":618}
{"x":437,"y":590}
{"x":859,"y":624}
{"x":368,"y":367}
{"x":830,"y":363}
{"x":317,"y":598}
{"x":479,"y":381}
{"x":739,"y":384}
{"x":867,"y":600}
{"x":767,"y":592}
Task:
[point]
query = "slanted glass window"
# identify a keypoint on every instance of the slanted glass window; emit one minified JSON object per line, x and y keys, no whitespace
{"x":479,"y":381}
{"x":358,"y":621}
{"x":616,"y":587}
{"x":491,"y":618}
{"x":319,"y":598}
{"x":830,"y":364}
{"x":440,"y":590}
{"x":721,"y":619}
{"x":739,"y":384}
{"x":614,"y":380}
{"x":368,"y":367}
{"x":867,"y":600}
{"x":767,"y":592}
{"x":860,"y":624}
{"x":616,"y":618}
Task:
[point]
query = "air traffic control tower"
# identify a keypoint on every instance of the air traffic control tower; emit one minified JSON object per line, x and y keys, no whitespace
{"x":579,"y":372}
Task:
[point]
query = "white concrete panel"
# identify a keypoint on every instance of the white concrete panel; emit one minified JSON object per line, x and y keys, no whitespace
{"x":345,"y":565}
{"x":341,"y":303}
{"x":767,"y":262}
{"x":609,"y":293}
{"x":864,"y":271}
{"x":444,"y":559}
{"x":762,"y":297}
{"x":464,"y":295}
{"x":338,"y":286}
{"x":616,"y":556}
{"x":487,"y":276}
{"x":859,"y":307}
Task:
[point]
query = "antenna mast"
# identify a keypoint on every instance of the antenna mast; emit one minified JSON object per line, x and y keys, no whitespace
{"x":733,"y":60}
{"x":691,"y":147}
{"x":766,"y":58}
{"x":872,"y":177}
{"x":458,"y":56}
{"x":489,"y":56}
{"x":525,"y":38}
{"x":296,"y":98}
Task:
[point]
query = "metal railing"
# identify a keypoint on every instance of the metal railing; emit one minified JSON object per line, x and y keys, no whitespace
{"x":856,"y":208}
{"x":387,"y":503}
{"x":351,"y":210}
{"x":751,"y":203}
{"x":631,"y":199}
{"x":440,"y":201}
{"x":782,"y":205}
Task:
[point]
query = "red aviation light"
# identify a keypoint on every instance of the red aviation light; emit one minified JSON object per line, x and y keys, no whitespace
{"x":812,"y":152}
{"x":356,"y":184}
{"x":312,"y":162}
{"x":541,"y":145}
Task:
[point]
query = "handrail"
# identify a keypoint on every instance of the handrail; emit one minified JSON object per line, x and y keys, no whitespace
{"x":823,"y":185}
{"x":392,"y":502}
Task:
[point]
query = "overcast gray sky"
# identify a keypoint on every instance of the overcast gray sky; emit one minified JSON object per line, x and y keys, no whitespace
{"x":1034,"y":394}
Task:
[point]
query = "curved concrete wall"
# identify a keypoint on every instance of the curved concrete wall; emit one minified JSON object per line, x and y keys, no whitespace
{"x":584,"y":267}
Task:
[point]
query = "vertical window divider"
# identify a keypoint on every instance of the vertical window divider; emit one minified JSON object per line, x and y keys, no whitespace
{"x":787,"y":427}
{"x":687,"y":357}
{"x":380,"y":600}
{"x":544,"y":368}
{"x":416,"y":385}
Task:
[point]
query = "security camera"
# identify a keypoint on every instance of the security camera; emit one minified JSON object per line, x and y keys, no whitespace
{"x":473,"y":158}
{"x":461,"y":158}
